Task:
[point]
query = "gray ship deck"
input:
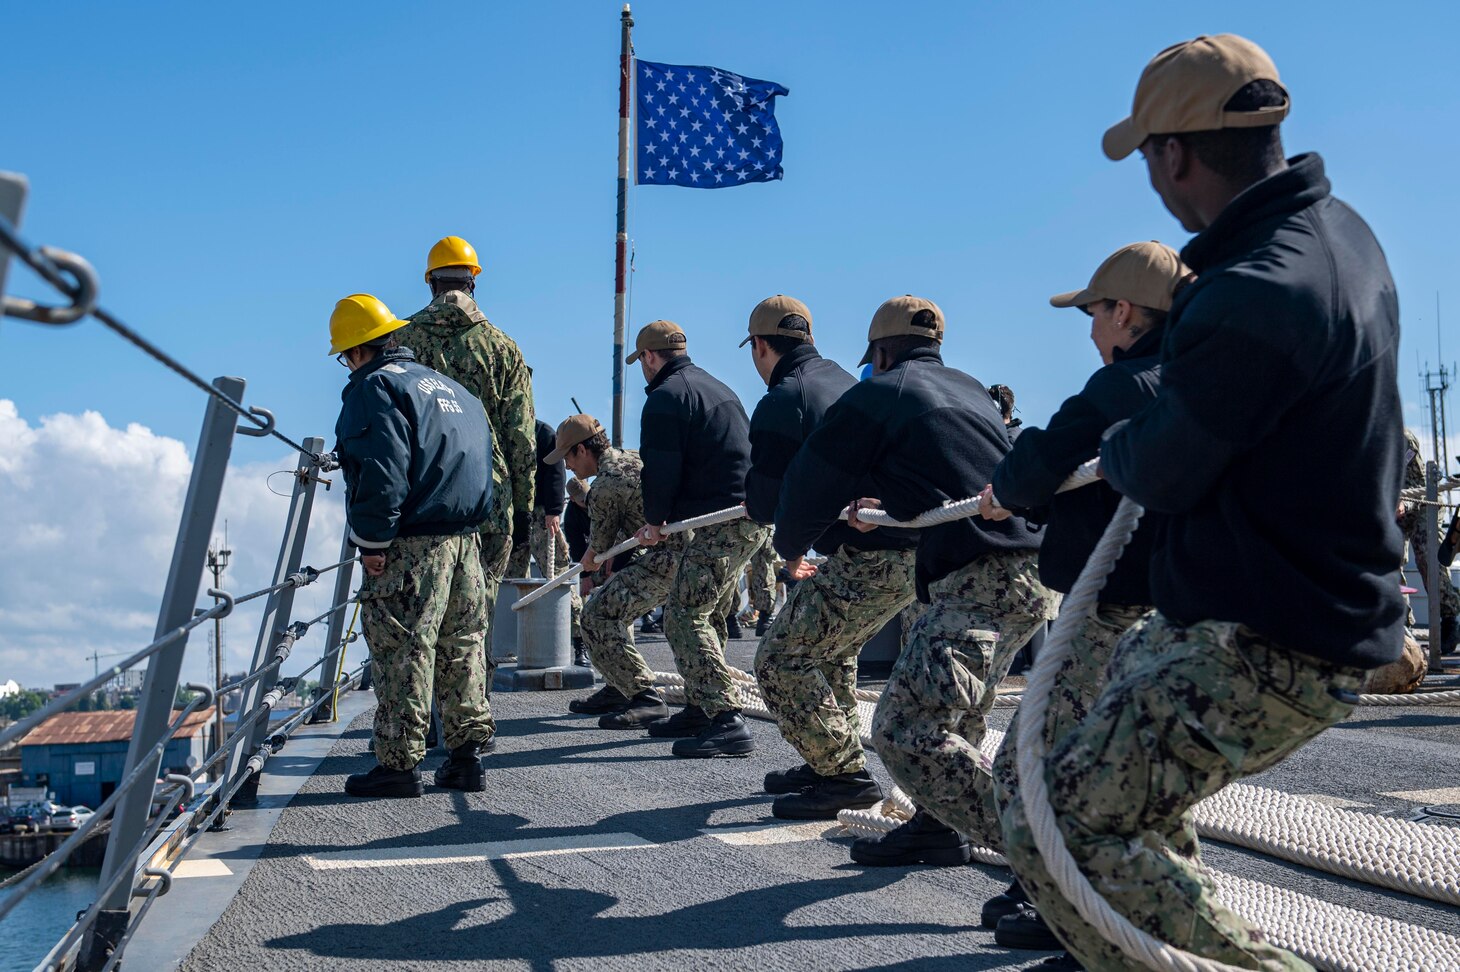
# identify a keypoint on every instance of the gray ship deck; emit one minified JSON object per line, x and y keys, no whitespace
{"x":596,"y":850}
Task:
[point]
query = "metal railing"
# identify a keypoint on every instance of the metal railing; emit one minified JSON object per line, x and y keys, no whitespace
{"x":143,"y":842}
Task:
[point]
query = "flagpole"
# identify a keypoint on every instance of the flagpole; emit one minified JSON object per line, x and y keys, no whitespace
{"x":621,"y":241}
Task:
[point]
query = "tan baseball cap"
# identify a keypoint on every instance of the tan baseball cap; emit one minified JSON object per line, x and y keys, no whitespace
{"x":765,"y":320}
{"x":1185,"y":89}
{"x":658,"y":336}
{"x":1146,"y":274}
{"x":575,"y":429}
{"x":904,"y":315}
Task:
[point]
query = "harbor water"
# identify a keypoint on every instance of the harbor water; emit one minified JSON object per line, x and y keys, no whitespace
{"x":38,"y":922}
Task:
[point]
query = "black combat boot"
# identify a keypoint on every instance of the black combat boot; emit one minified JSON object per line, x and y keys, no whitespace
{"x":791,"y":780}
{"x":922,"y":840}
{"x":1449,"y":636}
{"x":763,"y":623}
{"x":646,"y":707}
{"x":687,"y":722}
{"x":823,"y":799}
{"x":1025,"y":929}
{"x":648,"y":625}
{"x":580,"y":654}
{"x":732,"y":626}
{"x":463,"y":769}
{"x":383,"y":781}
{"x":726,"y":735}
{"x":606,"y":699}
{"x":1003,"y":904}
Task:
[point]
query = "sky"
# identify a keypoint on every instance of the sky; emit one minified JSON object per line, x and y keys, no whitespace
{"x":232,"y":170}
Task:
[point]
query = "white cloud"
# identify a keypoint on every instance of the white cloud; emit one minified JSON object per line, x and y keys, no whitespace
{"x":88,"y":517}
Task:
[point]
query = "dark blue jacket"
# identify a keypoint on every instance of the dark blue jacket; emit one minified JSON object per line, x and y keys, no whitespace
{"x":1042,"y":459}
{"x":1277,"y":440}
{"x":416,"y":451}
{"x":694,"y":440}
{"x":920,"y":435}
{"x":802,"y":386}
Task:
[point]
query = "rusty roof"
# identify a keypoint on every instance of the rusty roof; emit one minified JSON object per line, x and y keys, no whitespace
{"x":70,"y":728}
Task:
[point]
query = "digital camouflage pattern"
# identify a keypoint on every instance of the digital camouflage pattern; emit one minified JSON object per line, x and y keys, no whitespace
{"x":760,"y":579}
{"x":1187,"y":710}
{"x":452,"y":335}
{"x":705,"y":590}
{"x":425,"y":619}
{"x":616,"y":502}
{"x":609,"y":614}
{"x":933,"y":712}
{"x":496,"y":552}
{"x":550,"y":550}
{"x":1414,"y":524}
{"x":807,"y":662}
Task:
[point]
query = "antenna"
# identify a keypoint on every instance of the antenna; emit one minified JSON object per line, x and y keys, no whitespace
{"x":578,"y":408}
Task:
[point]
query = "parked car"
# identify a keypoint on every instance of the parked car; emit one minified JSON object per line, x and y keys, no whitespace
{"x":23,"y":819}
{"x":69,"y":818}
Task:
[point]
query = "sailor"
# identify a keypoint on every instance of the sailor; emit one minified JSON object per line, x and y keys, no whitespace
{"x":416,"y":452}
{"x":914,"y":436}
{"x":628,"y":700}
{"x":452,"y":335}
{"x":1412,"y":523}
{"x":1279,"y":364}
{"x":807,"y":662}
{"x":1127,"y":301}
{"x":1003,"y":397}
{"x":694,"y":441}
{"x":760,"y":574}
{"x":546,"y":543}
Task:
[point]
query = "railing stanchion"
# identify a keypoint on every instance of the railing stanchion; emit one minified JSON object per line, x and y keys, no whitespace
{"x":277,"y":613}
{"x":154,"y":709}
{"x":334,"y":639}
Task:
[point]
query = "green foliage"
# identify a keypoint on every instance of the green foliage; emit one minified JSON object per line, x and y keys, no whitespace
{"x":19,"y":706}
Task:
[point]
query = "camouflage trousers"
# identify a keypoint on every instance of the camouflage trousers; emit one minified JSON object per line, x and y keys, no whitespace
{"x":609,"y":614}
{"x":760,"y":580}
{"x":704,"y":591}
{"x":932,"y":714}
{"x":425,"y":620}
{"x":550,"y":550}
{"x":1449,"y":597}
{"x":1186,"y":710}
{"x":496,"y":552}
{"x":807,"y":662}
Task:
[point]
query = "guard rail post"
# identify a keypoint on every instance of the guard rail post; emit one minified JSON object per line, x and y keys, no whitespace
{"x":334,"y":639}
{"x":1435,"y":591}
{"x":154,"y":710}
{"x":277,"y":612}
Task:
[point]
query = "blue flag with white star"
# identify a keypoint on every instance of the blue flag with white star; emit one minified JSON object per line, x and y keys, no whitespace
{"x":706,"y":128}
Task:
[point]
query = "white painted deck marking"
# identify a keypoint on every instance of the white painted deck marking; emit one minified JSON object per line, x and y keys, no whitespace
{"x":1332,"y":801}
{"x":1448,"y":794}
{"x":756,"y":835}
{"x":202,"y":867}
{"x":473,"y":853}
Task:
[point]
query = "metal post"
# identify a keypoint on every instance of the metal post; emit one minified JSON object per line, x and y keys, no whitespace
{"x":621,"y":241}
{"x":277,"y":612}
{"x":12,"y":203}
{"x":154,"y":709}
{"x":334,"y":639}
{"x":1434,"y":591}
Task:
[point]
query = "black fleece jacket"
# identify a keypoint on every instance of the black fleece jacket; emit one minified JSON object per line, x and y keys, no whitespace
{"x":802,"y":386}
{"x":1043,"y":458}
{"x":1276,"y":442}
{"x":694,"y":440}
{"x":552,"y":479}
{"x":918,"y":435}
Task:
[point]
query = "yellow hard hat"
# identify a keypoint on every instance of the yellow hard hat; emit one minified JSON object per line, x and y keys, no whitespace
{"x":452,"y":251}
{"x":360,"y":318}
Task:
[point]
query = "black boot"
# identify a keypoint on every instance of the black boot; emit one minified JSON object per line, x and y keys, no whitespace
{"x":648,"y":625}
{"x":687,"y":722}
{"x":463,"y":770}
{"x":763,"y":623}
{"x":922,"y":840}
{"x":822,"y":800}
{"x":1025,"y":929}
{"x":726,"y":735}
{"x":1003,"y":904}
{"x":646,"y":707}
{"x":732,"y":626}
{"x":606,"y":699}
{"x":1449,"y":635}
{"x":580,"y":655}
{"x":791,"y":780}
{"x":383,"y":781}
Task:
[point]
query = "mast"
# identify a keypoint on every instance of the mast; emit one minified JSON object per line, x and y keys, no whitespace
{"x":621,"y":240}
